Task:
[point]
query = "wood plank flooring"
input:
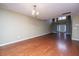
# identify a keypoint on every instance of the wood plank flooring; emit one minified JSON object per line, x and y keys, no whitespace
{"x":47,"y":45}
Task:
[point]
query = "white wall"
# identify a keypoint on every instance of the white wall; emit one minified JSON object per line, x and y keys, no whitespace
{"x":13,"y":25}
{"x":75,"y":27}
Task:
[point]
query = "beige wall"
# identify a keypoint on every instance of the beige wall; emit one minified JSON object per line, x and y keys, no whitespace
{"x":75,"y":28}
{"x":15,"y":27}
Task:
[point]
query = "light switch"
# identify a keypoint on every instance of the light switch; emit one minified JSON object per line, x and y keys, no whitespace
{"x":76,"y":24}
{"x":74,"y":27}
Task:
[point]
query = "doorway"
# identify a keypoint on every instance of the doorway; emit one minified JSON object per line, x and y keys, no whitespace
{"x":61,"y":31}
{"x":62,"y":27}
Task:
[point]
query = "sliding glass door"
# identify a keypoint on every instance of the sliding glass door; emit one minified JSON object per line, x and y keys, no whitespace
{"x":61,"y":28}
{"x":61,"y":31}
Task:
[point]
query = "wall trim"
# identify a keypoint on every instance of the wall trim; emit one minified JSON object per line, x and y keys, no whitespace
{"x":75,"y":39}
{"x":23,"y":39}
{"x":66,"y":33}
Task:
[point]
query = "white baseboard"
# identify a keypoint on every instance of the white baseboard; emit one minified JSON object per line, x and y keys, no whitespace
{"x":11,"y":42}
{"x":75,"y":39}
{"x":66,"y":33}
{"x":22,"y":40}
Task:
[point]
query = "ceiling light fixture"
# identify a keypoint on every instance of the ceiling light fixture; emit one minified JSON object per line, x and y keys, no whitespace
{"x":66,"y":13}
{"x":34,"y":11}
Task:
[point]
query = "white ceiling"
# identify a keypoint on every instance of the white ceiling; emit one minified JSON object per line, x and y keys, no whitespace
{"x":46,"y":10}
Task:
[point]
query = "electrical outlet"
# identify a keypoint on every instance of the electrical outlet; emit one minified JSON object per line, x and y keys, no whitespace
{"x":18,"y":37}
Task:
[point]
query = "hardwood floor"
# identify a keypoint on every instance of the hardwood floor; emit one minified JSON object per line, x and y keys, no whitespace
{"x":47,"y":45}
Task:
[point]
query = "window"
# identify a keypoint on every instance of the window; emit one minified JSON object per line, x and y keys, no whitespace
{"x":62,"y":18}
